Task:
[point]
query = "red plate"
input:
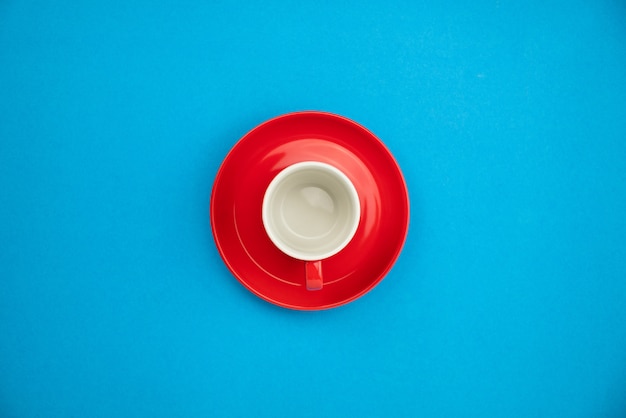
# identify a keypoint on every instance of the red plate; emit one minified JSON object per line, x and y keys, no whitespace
{"x":237,"y":198}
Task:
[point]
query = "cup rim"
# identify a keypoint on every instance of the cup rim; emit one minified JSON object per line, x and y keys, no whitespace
{"x":353,"y":196}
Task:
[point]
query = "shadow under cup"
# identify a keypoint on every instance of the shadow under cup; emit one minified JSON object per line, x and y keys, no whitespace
{"x":311,"y":212}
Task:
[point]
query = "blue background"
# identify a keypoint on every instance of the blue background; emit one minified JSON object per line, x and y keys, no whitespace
{"x":508,"y":120}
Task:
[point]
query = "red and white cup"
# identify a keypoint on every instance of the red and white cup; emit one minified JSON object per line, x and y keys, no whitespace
{"x":311,"y":211}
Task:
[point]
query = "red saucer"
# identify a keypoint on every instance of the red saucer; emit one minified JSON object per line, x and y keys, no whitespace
{"x":237,"y":198}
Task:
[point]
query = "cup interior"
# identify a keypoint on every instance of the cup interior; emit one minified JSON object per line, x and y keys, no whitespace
{"x":311,"y":210}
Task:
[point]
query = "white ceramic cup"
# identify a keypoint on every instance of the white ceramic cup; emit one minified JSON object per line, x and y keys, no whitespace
{"x":311,"y":211}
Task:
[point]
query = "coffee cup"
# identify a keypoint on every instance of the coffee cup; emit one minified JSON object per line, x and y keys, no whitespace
{"x":311,"y":212}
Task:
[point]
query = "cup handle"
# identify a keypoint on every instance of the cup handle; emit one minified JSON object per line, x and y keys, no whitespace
{"x":313,"y":273}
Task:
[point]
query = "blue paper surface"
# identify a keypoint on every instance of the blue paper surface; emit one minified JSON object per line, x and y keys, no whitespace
{"x":508,"y":120}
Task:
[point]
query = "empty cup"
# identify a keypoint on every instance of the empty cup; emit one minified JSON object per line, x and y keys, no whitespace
{"x":310,"y":212}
